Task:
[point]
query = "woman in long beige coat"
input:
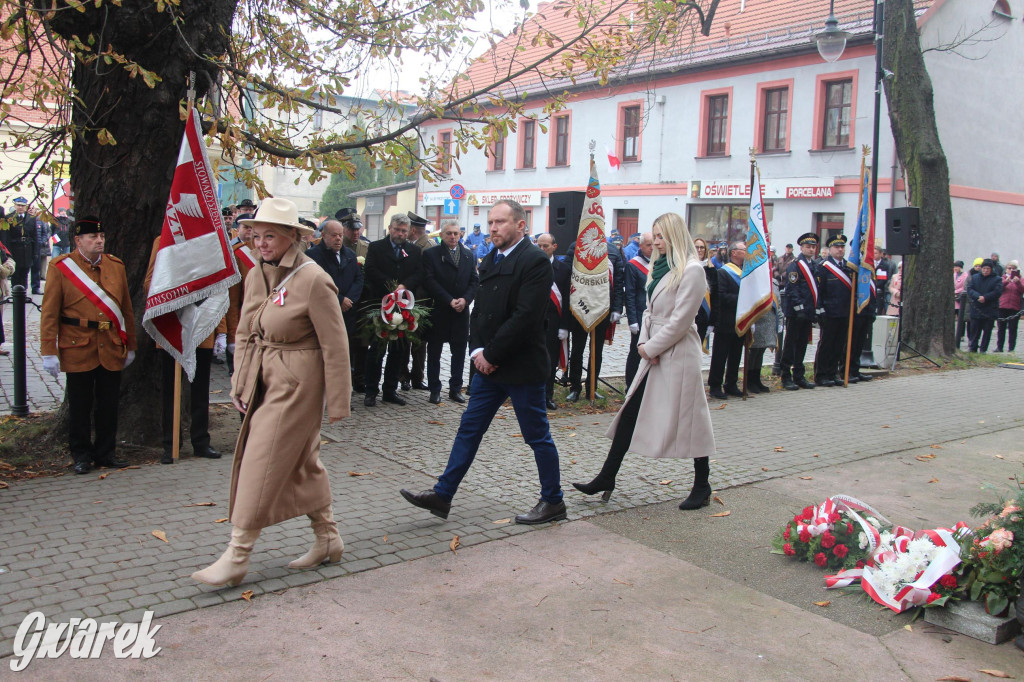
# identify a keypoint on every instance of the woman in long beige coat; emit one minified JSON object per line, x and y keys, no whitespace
{"x":666,"y":412}
{"x":291,"y":352}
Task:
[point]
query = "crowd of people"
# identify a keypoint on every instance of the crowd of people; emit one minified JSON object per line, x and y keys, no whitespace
{"x":987,"y":296}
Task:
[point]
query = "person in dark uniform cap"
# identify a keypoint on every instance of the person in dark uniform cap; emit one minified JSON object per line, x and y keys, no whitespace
{"x":835,"y":287}
{"x":800,"y":306}
{"x":91,"y":342}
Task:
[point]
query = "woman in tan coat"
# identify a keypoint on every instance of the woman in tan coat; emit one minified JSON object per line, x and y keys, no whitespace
{"x":291,"y":353}
{"x":666,"y":412}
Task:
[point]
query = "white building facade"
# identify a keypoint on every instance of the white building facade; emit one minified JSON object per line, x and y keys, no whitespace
{"x":683,"y":138}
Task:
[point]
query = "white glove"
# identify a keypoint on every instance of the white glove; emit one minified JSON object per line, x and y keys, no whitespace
{"x":52,"y":365}
{"x":231,"y":348}
{"x":615,"y":317}
{"x":129,"y":359}
{"x":220,"y":344}
{"x":563,"y":334}
{"x":634,"y":329}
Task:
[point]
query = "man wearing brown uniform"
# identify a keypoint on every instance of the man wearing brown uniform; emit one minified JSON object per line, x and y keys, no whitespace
{"x":88,"y":331}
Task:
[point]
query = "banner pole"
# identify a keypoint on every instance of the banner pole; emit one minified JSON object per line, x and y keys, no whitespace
{"x":592,"y":378}
{"x":746,"y":365}
{"x":176,"y":421}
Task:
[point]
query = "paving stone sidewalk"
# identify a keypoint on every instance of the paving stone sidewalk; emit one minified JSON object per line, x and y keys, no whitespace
{"x":79,"y":546}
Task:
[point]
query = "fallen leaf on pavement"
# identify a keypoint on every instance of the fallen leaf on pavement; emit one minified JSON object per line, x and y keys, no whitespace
{"x":622,"y":582}
{"x":502,"y":521}
{"x":454,"y":544}
{"x":953,"y":678}
{"x":569,"y":428}
{"x":907,"y":627}
{"x":725,"y":513}
{"x":595,"y":423}
{"x":996,"y":673}
{"x":435,"y":422}
{"x":764,"y":468}
{"x":816,"y":454}
{"x":885,"y":426}
{"x":516,"y":435}
{"x":160,"y":535}
{"x":923,"y":458}
{"x":666,"y":481}
{"x":6,"y":466}
{"x":501,"y":416}
{"x":102,"y":476}
{"x":324,"y":442}
{"x":219,"y":390}
{"x":247,"y":595}
{"x":779,"y":448}
{"x":3,"y":485}
{"x":360,"y":473}
{"x":572,"y":461}
{"x":937,"y":447}
{"x":806,"y":478}
{"x":202,"y":504}
{"x":718,"y":499}
{"x":934,"y":480}
{"x":823,"y":604}
{"x":220,"y":520}
{"x":1000,"y":457}
{"x":721,"y":407}
{"x":385,"y":539}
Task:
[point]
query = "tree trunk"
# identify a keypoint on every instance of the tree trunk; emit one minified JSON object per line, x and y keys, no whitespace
{"x":928,"y":304}
{"x":126,"y":184}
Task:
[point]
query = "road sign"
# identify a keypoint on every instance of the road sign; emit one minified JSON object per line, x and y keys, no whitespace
{"x":451,"y":207}
{"x":457,"y":192}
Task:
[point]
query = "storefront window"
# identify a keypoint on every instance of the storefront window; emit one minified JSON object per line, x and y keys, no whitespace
{"x":720,"y":224}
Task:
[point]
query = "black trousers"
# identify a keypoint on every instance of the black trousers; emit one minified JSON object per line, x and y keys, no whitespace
{"x":92,"y":398}
{"x":831,"y":346}
{"x":37,"y":264}
{"x":726,"y":350}
{"x":453,"y":330}
{"x":1007,"y":326}
{"x":356,"y":352}
{"x":798,"y":331}
{"x":397,"y":358}
{"x":22,"y":254}
{"x":861,"y":332}
{"x":981,"y":334}
{"x":633,"y":359}
{"x":418,"y":354}
{"x":580,"y":342}
{"x":199,"y":399}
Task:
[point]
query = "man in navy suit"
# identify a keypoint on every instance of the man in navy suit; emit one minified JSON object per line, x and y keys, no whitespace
{"x":449,"y":273}
{"x":340,"y":263}
{"x":507,"y":338}
{"x":556,"y":317}
{"x":388,"y":261}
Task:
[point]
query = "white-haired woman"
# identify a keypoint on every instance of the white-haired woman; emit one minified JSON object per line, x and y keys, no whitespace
{"x":291,"y":352}
{"x":666,"y":412}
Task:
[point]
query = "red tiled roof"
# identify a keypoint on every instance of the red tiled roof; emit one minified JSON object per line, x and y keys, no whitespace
{"x":741,"y":29}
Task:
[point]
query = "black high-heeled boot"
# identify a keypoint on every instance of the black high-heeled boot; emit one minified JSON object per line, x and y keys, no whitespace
{"x":600,"y":484}
{"x":604,"y":482}
{"x":700,"y":495}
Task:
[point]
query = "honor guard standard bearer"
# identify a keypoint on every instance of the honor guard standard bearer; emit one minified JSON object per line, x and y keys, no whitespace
{"x":801,"y":305}
{"x":835,"y":288}
{"x":88,"y":331}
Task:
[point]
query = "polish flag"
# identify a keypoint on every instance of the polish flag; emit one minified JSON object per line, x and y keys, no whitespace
{"x":613,"y":161}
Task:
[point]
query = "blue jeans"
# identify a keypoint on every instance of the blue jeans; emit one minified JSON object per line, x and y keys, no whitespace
{"x":486,"y":398}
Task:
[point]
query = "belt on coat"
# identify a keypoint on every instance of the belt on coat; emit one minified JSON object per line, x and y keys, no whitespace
{"x":102,"y":325}
{"x":252,"y":358}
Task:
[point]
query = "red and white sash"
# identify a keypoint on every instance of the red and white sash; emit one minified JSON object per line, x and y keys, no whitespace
{"x":243,"y":255}
{"x":92,"y":291}
{"x":805,"y":270}
{"x":640,"y":265}
{"x":838,"y":272}
{"x":556,"y":298}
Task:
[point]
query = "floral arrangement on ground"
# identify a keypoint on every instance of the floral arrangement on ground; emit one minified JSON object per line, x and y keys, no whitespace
{"x":903,"y":569}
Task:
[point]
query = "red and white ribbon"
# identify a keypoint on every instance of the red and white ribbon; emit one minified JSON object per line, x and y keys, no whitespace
{"x":394,"y":306}
{"x":95,"y":293}
{"x":278,"y":297}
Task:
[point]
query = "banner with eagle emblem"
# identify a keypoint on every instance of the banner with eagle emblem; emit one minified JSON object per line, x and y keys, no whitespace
{"x":188,"y":295}
{"x":589,"y":288}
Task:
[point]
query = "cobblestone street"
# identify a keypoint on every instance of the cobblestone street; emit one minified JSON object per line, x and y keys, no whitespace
{"x":81,"y":546}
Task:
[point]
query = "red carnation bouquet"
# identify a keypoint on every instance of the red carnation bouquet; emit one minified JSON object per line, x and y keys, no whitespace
{"x":833,"y":535}
{"x":398,"y":318}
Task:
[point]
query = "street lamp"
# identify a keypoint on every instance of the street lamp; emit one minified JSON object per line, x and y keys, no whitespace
{"x":831,"y":43}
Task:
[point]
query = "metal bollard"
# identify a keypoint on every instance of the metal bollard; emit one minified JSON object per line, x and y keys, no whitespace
{"x":20,"y":406}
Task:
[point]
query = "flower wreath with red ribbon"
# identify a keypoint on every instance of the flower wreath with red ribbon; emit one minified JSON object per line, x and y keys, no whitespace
{"x":398,"y":318}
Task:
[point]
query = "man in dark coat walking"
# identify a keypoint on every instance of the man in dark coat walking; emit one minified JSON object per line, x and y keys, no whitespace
{"x":449,"y":275}
{"x":507,"y":338}
{"x":556,"y":315}
{"x":389,"y":261}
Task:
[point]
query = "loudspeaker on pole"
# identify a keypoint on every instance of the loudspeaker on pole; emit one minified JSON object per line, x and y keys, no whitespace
{"x":902,"y":230}
{"x":564,"y":210}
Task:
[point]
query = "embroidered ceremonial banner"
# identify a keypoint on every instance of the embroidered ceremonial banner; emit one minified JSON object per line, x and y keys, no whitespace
{"x":755,"y":297}
{"x":862,"y":251}
{"x":188,"y":295}
{"x":589,"y":289}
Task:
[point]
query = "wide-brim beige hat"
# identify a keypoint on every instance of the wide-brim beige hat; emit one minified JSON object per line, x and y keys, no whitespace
{"x":280,"y":212}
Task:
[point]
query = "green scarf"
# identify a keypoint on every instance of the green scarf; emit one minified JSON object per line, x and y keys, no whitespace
{"x":661,"y":269}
